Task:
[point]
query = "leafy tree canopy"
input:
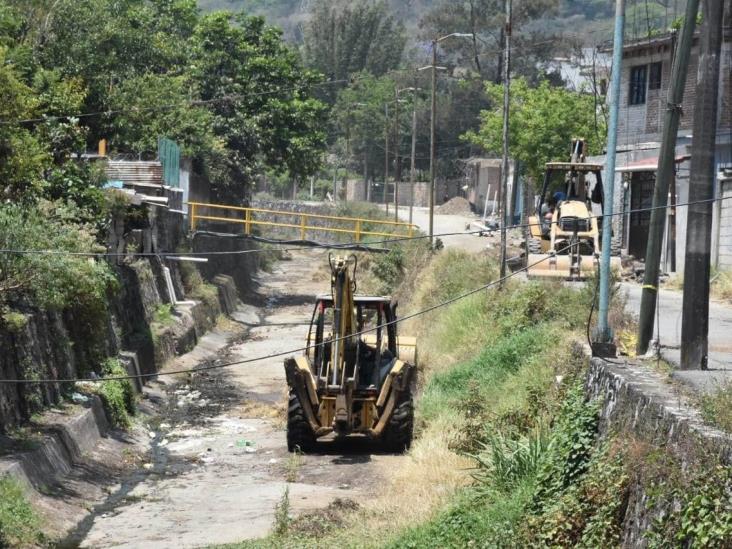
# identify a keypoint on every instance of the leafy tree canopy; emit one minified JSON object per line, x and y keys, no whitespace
{"x":223,"y":85}
{"x":542,"y":122}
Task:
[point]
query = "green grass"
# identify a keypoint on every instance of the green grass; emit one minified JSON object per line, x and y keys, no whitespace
{"x":20,"y":525}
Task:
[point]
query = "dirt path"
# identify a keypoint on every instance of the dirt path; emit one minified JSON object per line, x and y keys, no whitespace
{"x":219,"y":462}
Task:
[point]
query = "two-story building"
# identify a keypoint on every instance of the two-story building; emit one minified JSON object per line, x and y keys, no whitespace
{"x":645,"y":81}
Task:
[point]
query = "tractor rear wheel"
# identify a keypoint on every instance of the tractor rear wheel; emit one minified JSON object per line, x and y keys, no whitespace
{"x":299,"y":433}
{"x":400,"y":429}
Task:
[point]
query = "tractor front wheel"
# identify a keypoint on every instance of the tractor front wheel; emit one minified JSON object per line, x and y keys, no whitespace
{"x":400,"y":429}
{"x":300,"y":435}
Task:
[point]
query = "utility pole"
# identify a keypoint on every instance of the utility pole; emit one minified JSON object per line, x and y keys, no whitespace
{"x":412,"y":170}
{"x":695,"y":310}
{"x":664,"y":176}
{"x":602,"y":343}
{"x":398,"y":170}
{"x":503,"y":188}
{"x":433,"y":113}
{"x":386,"y":153}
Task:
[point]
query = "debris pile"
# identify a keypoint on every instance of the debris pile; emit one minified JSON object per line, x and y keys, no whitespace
{"x":455,"y":206}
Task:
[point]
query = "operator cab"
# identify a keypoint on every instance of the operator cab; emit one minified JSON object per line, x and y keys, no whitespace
{"x":378,"y":346}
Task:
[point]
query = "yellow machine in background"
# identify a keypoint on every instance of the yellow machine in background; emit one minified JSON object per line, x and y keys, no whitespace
{"x":347,"y":382}
{"x":564,"y":239}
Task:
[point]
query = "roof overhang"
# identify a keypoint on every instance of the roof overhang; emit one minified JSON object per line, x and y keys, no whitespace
{"x":648,"y":164}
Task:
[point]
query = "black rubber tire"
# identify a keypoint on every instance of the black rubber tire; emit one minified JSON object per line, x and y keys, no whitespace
{"x":399,"y":431}
{"x":533,"y":245}
{"x":616,"y":245}
{"x":300,"y":435}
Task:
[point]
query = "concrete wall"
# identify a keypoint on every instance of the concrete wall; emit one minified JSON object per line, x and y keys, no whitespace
{"x":60,"y":345}
{"x":724,"y":257}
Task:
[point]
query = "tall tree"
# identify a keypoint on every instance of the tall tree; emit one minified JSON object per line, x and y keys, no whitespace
{"x":341,"y":40}
{"x":260,"y":98}
{"x":484,"y":19}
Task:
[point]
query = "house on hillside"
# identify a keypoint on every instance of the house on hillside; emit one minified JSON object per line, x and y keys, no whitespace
{"x":644,"y":89}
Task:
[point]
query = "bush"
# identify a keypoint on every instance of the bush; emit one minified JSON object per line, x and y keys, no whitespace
{"x":19,"y":522}
{"x":51,"y":281}
{"x":506,"y":462}
{"x":389,"y":268}
{"x":118,"y":396}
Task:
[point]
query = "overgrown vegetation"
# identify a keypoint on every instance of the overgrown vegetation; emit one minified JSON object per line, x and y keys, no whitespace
{"x":19,"y":522}
{"x":716,"y":407}
{"x":118,"y":396}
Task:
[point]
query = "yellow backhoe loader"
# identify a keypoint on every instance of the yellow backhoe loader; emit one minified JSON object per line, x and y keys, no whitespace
{"x":564,"y":239}
{"x":348,"y":382}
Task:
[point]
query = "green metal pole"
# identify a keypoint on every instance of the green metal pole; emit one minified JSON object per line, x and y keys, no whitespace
{"x":604,"y":333}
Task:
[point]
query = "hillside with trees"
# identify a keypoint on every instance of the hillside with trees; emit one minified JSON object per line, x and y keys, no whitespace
{"x":367,"y":49}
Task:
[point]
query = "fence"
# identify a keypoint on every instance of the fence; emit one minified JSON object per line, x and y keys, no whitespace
{"x":357,"y":227}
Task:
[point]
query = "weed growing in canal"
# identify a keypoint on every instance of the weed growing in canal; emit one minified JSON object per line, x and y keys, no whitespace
{"x":19,"y":522}
{"x":716,"y":407}
{"x":282,"y":514}
{"x":292,"y":467}
{"x":164,"y":314}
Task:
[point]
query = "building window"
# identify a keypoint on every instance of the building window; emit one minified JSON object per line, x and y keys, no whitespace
{"x":637,"y":92}
{"x":655,"y":70}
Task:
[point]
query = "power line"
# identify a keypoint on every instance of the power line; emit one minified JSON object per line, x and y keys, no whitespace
{"x":291,"y":351}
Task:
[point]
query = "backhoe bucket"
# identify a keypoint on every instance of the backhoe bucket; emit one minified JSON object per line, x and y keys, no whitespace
{"x":560,"y":266}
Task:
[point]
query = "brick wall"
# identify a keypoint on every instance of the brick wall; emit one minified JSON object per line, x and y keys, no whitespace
{"x":644,"y":123}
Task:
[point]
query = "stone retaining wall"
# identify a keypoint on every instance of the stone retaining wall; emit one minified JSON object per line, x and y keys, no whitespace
{"x":641,"y":405}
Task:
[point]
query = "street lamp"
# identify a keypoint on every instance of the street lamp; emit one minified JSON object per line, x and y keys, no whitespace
{"x":433,"y":110}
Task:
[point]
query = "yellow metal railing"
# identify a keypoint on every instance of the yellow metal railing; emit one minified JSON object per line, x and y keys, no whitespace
{"x":300,"y":221}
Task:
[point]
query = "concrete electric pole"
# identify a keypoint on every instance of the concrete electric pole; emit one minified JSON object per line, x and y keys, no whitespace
{"x":664,"y":175}
{"x":695,"y":310}
{"x":503,"y":188}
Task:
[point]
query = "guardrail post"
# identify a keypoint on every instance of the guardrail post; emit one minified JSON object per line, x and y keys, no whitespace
{"x":358,"y":230}
{"x":193,"y":217}
{"x":411,"y":231}
{"x":302,"y":226}
{"x":248,"y":222}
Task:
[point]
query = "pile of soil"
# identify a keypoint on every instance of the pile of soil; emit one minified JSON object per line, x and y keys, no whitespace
{"x":455,"y":206}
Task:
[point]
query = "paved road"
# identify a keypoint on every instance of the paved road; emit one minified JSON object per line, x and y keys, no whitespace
{"x":669,"y":314}
{"x":444,"y":223}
